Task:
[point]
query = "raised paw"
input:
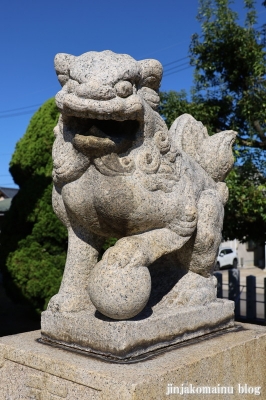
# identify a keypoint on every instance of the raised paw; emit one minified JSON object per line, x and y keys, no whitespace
{"x":127,"y":252}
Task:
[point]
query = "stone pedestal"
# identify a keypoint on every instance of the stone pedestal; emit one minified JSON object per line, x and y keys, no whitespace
{"x":233,"y":359}
{"x":90,"y":331}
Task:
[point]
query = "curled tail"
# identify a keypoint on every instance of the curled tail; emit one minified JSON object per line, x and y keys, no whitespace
{"x":213,"y":153}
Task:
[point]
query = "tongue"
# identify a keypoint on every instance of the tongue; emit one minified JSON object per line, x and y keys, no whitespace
{"x":93,"y":146}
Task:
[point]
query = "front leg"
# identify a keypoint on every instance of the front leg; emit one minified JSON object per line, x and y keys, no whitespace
{"x":120,"y":284}
{"x":82,"y":255}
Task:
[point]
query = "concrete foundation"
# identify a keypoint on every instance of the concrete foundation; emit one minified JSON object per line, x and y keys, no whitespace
{"x":223,"y":365}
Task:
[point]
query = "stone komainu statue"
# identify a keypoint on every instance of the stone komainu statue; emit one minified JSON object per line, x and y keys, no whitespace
{"x":118,"y":172}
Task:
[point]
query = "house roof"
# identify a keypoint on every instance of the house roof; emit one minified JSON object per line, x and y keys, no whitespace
{"x":8,"y":192}
{"x":5,"y":205}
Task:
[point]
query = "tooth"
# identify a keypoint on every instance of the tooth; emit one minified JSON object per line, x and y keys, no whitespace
{"x":95,"y":131}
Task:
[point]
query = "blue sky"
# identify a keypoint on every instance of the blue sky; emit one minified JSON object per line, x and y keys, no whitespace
{"x":32,"y":32}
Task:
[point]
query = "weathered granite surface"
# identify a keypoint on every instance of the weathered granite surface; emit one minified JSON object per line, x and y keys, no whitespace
{"x":131,"y":338}
{"x":118,"y":172}
{"x":29,"y":370}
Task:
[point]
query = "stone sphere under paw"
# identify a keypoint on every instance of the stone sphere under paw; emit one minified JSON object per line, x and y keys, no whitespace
{"x":119,"y":293}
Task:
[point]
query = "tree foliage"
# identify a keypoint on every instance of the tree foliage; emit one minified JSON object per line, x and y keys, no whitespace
{"x":245,"y":212}
{"x":230,"y":69}
{"x":33,"y":240}
{"x":230,"y":93}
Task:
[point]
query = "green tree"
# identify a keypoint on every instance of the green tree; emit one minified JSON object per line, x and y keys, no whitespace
{"x":230,"y":93}
{"x":33,"y":241}
{"x":245,"y":212}
{"x":230,"y":69}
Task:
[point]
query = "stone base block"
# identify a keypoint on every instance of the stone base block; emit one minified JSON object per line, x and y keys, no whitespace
{"x":230,"y":365}
{"x":92,"y":332}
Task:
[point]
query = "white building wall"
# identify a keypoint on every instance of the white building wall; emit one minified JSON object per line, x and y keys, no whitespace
{"x":246,"y":257}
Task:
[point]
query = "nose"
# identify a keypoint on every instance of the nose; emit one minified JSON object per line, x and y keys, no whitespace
{"x":95,"y":91}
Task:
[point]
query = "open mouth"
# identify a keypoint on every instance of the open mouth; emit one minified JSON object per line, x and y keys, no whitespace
{"x":96,"y":138}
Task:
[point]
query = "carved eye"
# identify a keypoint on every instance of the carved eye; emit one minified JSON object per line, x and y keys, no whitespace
{"x":124,"y":89}
{"x":151,"y":82}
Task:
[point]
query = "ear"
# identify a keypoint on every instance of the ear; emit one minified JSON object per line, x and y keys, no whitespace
{"x":151,"y":73}
{"x":62,"y":64}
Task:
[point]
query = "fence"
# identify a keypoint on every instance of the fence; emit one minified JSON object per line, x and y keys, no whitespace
{"x":250,"y":300}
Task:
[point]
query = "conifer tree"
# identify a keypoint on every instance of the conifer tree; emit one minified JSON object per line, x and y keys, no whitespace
{"x":33,"y":241}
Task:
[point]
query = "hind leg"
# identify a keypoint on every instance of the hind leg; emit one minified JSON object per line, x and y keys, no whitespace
{"x":198,"y":255}
{"x":209,"y":233}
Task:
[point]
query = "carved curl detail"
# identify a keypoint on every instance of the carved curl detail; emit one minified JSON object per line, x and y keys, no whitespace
{"x":149,"y":160}
{"x":162,"y":141}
